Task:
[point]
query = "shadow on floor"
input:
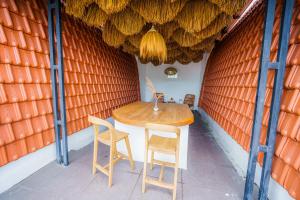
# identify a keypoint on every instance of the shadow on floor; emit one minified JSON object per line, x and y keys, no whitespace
{"x":210,"y":176}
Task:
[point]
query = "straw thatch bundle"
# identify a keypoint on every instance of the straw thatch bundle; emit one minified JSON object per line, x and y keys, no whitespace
{"x":183,"y":59}
{"x":184,"y":28}
{"x":76,"y":8}
{"x":143,"y":61}
{"x":170,"y":61}
{"x":172,"y":58}
{"x":206,"y":46}
{"x":170,"y":1}
{"x":155,"y":62}
{"x":153,"y":46}
{"x":158,"y":11}
{"x":190,"y":53}
{"x":198,"y":58}
{"x":167,"y":29}
{"x":135,"y":40}
{"x":209,"y":47}
{"x":173,"y":53}
{"x":94,"y":16}
{"x":205,"y":43}
{"x":185,"y":39}
{"x":216,"y":26}
{"x":112,"y":36}
{"x":197,"y":15}
{"x":129,"y":48}
{"x":112,"y":6}
{"x":171,"y":44}
{"x":121,"y":19}
{"x":230,"y":7}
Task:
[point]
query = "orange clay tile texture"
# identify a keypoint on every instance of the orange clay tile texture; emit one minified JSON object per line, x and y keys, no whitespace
{"x":98,"y":78}
{"x":229,"y":89}
{"x":292,"y":183}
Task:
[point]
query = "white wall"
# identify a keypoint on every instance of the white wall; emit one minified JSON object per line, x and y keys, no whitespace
{"x":18,"y":170}
{"x":188,"y":82}
{"x":239,"y":158}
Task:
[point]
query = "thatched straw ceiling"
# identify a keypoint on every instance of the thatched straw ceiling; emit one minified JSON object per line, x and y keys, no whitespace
{"x":189,"y":27}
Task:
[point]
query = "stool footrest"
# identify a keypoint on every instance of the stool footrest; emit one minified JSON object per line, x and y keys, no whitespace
{"x":159,"y":183}
{"x":102,"y":169}
{"x":163,"y":163}
{"x":114,"y":161}
{"x":123,"y":156}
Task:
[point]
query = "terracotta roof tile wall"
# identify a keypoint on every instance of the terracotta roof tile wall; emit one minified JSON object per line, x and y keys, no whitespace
{"x":98,"y":78}
{"x":229,"y":89}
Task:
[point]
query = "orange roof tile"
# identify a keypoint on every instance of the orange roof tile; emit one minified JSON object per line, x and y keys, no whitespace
{"x":290,"y":153}
{"x":296,"y":107}
{"x":293,"y":80}
{"x":94,"y":84}
{"x":290,"y":125}
{"x":28,"y":109}
{"x":288,"y":101}
{"x":3,"y":157}
{"x":292,"y":183}
{"x":279,"y":170}
{"x":16,"y":150}
{"x":293,"y":57}
{"x":9,"y":113}
{"x":5,"y":18}
{"x":48,"y":136}
{"x":8,"y":137}
{"x":231,"y":73}
{"x":34,"y":142}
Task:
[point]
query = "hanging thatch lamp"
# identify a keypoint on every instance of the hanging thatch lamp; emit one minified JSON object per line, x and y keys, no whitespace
{"x":153,"y":46}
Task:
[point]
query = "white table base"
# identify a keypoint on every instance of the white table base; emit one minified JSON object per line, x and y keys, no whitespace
{"x":137,"y":143}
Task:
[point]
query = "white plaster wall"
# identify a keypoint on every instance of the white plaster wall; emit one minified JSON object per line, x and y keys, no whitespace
{"x":189,"y":80}
{"x":239,"y":158}
{"x":16,"y":171}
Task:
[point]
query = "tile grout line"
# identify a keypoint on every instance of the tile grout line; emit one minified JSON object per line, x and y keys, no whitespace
{"x":131,"y":193}
{"x":181,"y":184}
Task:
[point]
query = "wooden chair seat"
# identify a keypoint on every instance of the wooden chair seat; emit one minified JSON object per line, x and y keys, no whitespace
{"x":104,"y":137}
{"x":162,"y":144}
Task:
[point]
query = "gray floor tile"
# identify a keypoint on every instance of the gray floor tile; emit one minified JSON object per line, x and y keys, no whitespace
{"x":123,"y":184}
{"x":21,"y":192}
{"x":210,"y":175}
{"x":154,"y":193}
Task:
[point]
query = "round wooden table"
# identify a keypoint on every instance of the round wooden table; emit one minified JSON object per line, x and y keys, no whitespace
{"x":140,"y":113}
{"x":133,"y":117}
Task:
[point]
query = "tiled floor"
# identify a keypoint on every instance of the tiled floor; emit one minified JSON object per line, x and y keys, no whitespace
{"x":210,"y":176}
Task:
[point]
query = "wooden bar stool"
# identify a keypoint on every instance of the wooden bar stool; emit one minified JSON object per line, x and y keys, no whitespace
{"x":163,"y":145}
{"x":189,"y":99}
{"x":161,"y":96}
{"x":109,"y":137}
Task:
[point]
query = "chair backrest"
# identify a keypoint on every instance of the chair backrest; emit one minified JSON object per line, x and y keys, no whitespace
{"x":97,"y":122}
{"x":164,"y":128}
{"x":161,"y":99}
{"x":189,"y":99}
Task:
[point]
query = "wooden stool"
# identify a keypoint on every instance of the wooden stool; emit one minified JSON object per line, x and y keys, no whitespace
{"x":162,"y":145}
{"x":109,"y":137}
{"x":161,"y":96}
{"x":189,"y":99}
